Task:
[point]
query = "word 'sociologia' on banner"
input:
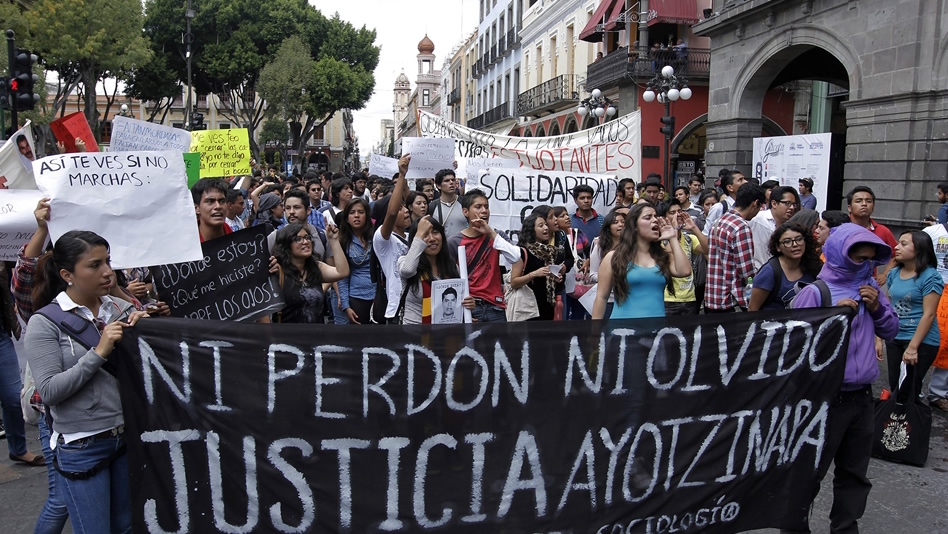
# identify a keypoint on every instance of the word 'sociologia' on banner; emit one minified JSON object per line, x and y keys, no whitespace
{"x":584,"y":426}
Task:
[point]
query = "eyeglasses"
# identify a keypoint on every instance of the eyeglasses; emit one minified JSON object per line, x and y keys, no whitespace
{"x":791,"y":242}
{"x":300,"y":239}
{"x":786,"y":203}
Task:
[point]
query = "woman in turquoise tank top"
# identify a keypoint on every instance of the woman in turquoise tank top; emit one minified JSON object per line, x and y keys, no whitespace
{"x":639,"y":269}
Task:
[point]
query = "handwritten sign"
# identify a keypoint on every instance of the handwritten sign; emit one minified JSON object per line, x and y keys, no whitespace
{"x":16,"y":160}
{"x":17,"y":223}
{"x":614,"y":147}
{"x":192,"y":164}
{"x":469,"y":167}
{"x":513,"y":193}
{"x":231,"y":282}
{"x":138,"y":201}
{"x":223,"y":152}
{"x":684,"y":424}
{"x":446,"y":297}
{"x":428,"y":156}
{"x":74,"y":125}
{"x":382,"y":166}
{"x":132,"y":134}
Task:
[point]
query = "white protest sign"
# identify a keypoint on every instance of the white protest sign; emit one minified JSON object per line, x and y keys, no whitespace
{"x":132,"y":134}
{"x":469,"y":167}
{"x":614,"y":147}
{"x":16,"y":160}
{"x":791,"y":157}
{"x":428,"y":156}
{"x":17,"y":223}
{"x":138,"y":201}
{"x":513,"y":193}
{"x":446,"y":297}
{"x":382,"y":166}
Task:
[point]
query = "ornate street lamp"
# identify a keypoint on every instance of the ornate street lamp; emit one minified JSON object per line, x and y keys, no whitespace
{"x":666,"y":87}
{"x":598,"y":105}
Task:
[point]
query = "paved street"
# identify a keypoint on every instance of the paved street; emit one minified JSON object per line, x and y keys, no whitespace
{"x":904,"y":499}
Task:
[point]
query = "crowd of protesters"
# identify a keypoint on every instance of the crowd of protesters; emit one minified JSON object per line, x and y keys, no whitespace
{"x":363,"y":250}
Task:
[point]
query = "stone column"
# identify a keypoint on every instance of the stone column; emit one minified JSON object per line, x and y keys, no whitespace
{"x":731,"y":145}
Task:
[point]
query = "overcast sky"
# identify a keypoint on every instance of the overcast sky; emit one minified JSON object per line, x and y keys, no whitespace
{"x":399,"y":25}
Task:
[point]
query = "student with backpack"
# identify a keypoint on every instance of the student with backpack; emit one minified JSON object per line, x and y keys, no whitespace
{"x":794,"y":264}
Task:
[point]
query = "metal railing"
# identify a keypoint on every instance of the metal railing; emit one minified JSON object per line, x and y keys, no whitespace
{"x":643,"y":63}
{"x":492,"y":116}
{"x":513,"y":36}
{"x":454,"y":96}
{"x":548,"y":95}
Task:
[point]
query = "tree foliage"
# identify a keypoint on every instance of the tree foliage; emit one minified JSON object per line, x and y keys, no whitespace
{"x":86,"y":41}
{"x":275,"y":130}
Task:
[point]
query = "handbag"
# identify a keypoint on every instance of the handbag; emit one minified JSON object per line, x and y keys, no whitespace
{"x":902,"y":430}
{"x":521,"y":303}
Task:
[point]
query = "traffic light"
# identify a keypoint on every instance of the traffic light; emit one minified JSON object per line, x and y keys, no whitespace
{"x":669,"y":127}
{"x":4,"y":95}
{"x":23,"y":80}
{"x":197,"y":122}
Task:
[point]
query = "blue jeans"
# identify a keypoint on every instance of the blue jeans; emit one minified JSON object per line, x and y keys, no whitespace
{"x":938,"y":387}
{"x":53,"y":516}
{"x":10,"y":386}
{"x":485,"y":312}
{"x":102,"y":503}
{"x":574,"y":310}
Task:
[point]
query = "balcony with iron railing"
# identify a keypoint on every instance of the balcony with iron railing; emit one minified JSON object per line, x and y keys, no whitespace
{"x":493,"y":53}
{"x":552,"y":95}
{"x":502,"y":46}
{"x":491,"y":117}
{"x":455,"y":96}
{"x":513,"y":38}
{"x":642,"y":63}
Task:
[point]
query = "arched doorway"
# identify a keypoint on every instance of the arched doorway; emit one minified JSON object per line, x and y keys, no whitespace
{"x":571,"y":125}
{"x":540,"y":131}
{"x":554,"y":128}
{"x":527,"y":132}
{"x":588,"y":121}
{"x":318,"y":161}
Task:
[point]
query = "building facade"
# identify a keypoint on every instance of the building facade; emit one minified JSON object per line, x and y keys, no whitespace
{"x":496,"y":69}
{"x":426,"y":95}
{"x":881,"y":83}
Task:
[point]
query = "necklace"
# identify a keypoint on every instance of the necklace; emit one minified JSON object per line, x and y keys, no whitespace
{"x":359,"y":260}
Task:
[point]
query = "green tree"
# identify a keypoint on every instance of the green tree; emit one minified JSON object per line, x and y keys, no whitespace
{"x":87,"y":41}
{"x":274,"y":130}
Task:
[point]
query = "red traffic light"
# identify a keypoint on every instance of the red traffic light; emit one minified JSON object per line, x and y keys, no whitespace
{"x":14,"y":84}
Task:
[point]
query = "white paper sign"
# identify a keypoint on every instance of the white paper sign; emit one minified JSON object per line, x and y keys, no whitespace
{"x":446,"y":297}
{"x":138,"y":201}
{"x":513,"y":193}
{"x":791,"y":157}
{"x":469,"y":167}
{"x":132,"y":134}
{"x":428,"y":156}
{"x":382,"y":166}
{"x":16,"y":160}
{"x":17,"y":223}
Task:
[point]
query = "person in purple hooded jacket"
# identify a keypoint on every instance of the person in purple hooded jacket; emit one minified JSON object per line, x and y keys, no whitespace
{"x":852,"y":254}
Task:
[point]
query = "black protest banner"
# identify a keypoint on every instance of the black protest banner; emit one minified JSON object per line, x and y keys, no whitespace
{"x":230,"y":283}
{"x":683,"y":425}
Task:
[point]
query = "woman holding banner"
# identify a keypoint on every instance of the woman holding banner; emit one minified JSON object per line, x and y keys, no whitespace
{"x":352,"y":303}
{"x":427,"y":259}
{"x":641,"y":266}
{"x":302,"y":275}
{"x":69,"y":342}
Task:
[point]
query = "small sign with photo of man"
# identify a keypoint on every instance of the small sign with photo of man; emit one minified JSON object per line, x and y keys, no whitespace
{"x":446,"y":297}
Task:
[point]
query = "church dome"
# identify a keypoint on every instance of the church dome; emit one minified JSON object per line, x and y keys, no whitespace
{"x":426,"y":46}
{"x":401,"y":79}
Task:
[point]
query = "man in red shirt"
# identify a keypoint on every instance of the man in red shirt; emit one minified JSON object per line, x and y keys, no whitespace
{"x":861,"y":202}
{"x":483,"y":247}
{"x":210,"y":204}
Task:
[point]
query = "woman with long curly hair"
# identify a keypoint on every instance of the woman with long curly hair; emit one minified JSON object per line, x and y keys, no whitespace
{"x":428,"y":259}
{"x":640,"y":266}
{"x":302,"y":275}
{"x":795,"y":263}
{"x":537,"y":255}
{"x":353,"y":302}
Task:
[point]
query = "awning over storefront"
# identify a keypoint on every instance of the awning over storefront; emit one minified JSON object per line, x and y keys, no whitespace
{"x":616,"y":21}
{"x":592,"y":33}
{"x":673,"y":11}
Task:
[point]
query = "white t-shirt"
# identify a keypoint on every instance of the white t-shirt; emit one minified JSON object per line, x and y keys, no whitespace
{"x":762,"y":227}
{"x":939,"y":237}
{"x":388,"y":251}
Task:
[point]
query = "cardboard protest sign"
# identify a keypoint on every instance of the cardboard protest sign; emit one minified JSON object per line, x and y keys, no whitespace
{"x":132,"y":134}
{"x":614,"y":147}
{"x":428,"y":156}
{"x":138,"y":201}
{"x":68,"y":128}
{"x":17,"y":223}
{"x":382,"y":166}
{"x":569,"y":426}
{"x":223,"y":152}
{"x":192,"y":165}
{"x":230,"y":282}
{"x":513,"y":193}
{"x":16,"y":160}
{"x":446,"y":297}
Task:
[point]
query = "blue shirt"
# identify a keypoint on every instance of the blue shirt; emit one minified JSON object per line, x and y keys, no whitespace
{"x":359,"y":283}
{"x":646,"y":294}
{"x":590,"y":227}
{"x":906,"y":297}
{"x":808,"y":202}
{"x":943,"y":213}
{"x":764,"y":279}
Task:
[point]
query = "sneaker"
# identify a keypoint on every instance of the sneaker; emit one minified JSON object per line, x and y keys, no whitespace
{"x":941,"y":404}
{"x":3,"y":433}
